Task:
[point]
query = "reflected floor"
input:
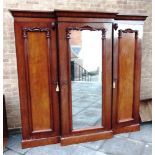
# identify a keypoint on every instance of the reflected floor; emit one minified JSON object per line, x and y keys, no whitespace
{"x":86,"y":104}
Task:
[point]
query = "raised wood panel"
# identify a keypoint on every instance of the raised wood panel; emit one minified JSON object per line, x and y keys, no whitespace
{"x":37,"y":73}
{"x":126,"y":76}
{"x":39,"y":82}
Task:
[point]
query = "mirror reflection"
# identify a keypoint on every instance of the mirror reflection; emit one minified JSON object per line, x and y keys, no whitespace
{"x":86,"y":77}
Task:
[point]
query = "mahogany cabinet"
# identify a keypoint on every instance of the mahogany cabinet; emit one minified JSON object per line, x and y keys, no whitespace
{"x":38,"y":76}
{"x":79,"y":75}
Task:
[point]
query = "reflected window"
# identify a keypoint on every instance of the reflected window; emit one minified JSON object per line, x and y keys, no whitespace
{"x":86,"y":77}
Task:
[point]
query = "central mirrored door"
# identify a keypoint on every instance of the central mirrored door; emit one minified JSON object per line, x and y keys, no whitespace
{"x":86,"y":78}
{"x":85,"y":64}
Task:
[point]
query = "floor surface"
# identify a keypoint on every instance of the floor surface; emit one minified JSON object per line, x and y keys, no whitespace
{"x":135,"y":143}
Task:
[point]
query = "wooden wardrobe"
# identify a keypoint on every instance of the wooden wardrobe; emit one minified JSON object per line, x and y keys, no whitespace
{"x":49,"y":60}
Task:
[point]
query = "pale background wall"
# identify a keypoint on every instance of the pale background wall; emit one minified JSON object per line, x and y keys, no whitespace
{"x":9,"y":59}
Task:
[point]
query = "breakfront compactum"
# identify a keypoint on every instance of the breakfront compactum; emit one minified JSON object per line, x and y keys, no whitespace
{"x":78,"y":73}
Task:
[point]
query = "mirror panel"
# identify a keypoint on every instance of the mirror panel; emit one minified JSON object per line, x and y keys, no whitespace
{"x":86,"y":78}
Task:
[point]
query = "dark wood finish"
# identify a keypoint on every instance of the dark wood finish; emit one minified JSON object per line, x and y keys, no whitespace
{"x":37,"y":73}
{"x":40,"y":142}
{"x":130,"y":17}
{"x":37,"y":66}
{"x":131,"y":128}
{"x":31,"y":14}
{"x":43,"y":59}
{"x":81,"y":14}
{"x":64,"y":61}
{"x":75,"y":13}
{"x":126,"y":74}
{"x":82,"y":20}
{"x":86,"y":138}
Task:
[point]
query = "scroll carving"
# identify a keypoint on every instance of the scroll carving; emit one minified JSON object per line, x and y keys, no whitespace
{"x":36,"y":29}
{"x":127,"y":31}
{"x":86,"y":27}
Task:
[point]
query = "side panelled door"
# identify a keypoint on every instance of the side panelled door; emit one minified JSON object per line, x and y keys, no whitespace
{"x":37,"y":72}
{"x":126,"y":76}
